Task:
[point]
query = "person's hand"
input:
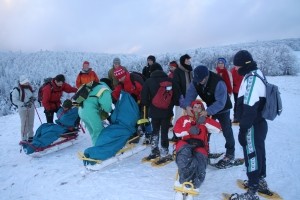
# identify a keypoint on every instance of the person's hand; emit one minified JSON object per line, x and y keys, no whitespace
{"x":181,"y":100}
{"x":189,"y":111}
{"x":194,"y":130}
{"x":203,"y":113}
{"x":32,"y":99}
{"x":201,"y":120}
{"x":28,"y":104}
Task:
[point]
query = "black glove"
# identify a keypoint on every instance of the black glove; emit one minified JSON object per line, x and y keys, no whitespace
{"x":194,"y":130}
{"x":242,"y":138}
{"x":195,"y":142}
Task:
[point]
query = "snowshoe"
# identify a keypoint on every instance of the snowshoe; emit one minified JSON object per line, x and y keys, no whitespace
{"x":244,"y":196}
{"x":227,"y":163}
{"x":162,"y":161}
{"x":215,"y":155}
{"x":153,"y":156}
{"x":185,"y":191}
{"x":263,"y":189}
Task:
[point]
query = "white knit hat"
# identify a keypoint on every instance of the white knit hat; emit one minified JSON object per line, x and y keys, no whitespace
{"x":23,"y":79}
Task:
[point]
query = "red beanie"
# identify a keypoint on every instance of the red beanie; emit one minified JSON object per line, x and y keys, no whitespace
{"x":119,"y":72}
{"x":173,"y":64}
{"x":198,"y":102}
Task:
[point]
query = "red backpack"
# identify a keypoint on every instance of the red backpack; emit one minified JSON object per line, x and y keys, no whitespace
{"x":163,"y":96}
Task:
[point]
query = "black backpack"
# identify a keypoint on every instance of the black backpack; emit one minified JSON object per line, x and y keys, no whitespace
{"x":47,"y":81}
{"x":10,"y":96}
{"x":136,"y":76}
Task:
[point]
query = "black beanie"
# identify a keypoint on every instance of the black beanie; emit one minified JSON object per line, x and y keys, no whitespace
{"x":182,"y":59}
{"x":151,"y":58}
{"x":60,"y":78}
{"x":243,"y":58}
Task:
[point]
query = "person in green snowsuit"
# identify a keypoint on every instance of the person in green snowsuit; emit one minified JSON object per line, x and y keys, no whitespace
{"x":93,"y":106}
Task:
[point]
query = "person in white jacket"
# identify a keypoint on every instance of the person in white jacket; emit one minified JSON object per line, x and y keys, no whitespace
{"x":22,"y":97}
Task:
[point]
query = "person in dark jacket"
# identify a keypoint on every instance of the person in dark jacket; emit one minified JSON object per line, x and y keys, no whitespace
{"x":182,"y":76}
{"x":160,"y":117}
{"x":52,"y":93}
{"x":151,"y":66}
{"x":253,"y":127}
{"x":212,"y":90}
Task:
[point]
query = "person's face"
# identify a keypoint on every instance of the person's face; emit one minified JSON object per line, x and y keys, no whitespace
{"x":150,"y":62}
{"x":116,"y":65}
{"x":122,"y":79}
{"x":197,"y":108}
{"x":172,"y":68}
{"x":59,"y":84}
{"x":85,"y":66}
{"x":204,"y":81}
{"x":187,"y":61}
{"x":221,"y":65}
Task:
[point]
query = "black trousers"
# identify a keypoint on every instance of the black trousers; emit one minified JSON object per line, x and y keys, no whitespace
{"x":161,"y":125}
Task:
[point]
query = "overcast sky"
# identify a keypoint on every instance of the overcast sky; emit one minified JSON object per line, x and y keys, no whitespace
{"x":142,"y":26}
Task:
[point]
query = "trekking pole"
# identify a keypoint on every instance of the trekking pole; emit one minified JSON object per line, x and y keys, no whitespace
{"x":37,"y":113}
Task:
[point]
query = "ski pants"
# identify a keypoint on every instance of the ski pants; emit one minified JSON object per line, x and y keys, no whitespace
{"x":161,"y":125}
{"x":255,"y":152}
{"x":191,"y":165}
{"x":27,"y":120}
{"x":224,"y":119}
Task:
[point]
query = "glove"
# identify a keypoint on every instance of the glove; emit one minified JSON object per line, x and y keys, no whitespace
{"x":28,"y":104}
{"x":201,"y":120}
{"x":194,"y":130}
{"x":32,"y":99}
{"x":242,"y":138}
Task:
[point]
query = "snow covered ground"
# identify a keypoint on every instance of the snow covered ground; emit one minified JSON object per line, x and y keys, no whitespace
{"x":61,"y":175}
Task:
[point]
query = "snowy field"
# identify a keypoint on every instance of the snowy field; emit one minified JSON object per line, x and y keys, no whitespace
{"x":61,"y":175}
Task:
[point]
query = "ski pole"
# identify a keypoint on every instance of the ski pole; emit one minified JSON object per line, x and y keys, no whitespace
{"x":37,"y":113}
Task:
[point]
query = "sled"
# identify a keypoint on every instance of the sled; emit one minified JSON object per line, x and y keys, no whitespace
{"x":65,"y":140}
{"x":128,"y":150}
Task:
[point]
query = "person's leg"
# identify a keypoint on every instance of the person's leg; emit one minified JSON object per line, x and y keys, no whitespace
{"x":224,"y":119}
{"x":24,"y":121}
{"x":164,"y":133}
{"x":49,"y":116}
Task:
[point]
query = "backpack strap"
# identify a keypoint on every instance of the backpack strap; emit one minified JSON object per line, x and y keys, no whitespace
{"x":263,"y":79}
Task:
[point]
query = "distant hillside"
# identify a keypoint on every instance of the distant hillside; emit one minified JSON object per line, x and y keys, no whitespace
{"x":273,"y":57}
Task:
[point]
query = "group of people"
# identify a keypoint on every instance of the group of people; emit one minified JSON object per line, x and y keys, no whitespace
{"x":189,"y":117}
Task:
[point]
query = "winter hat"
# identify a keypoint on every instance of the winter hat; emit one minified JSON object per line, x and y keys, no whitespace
{"x":151,"y":58}
{"x":117,"y":61}
{"x":67,"y":104}
{"x":173,"y":63}
{"x":200,"y":73}
{"x":85,"y":62}
{"x":198,"y":101}
{"x":222,"y":60}
{"x":183,"y":58}
{"x":23,"y":79}
{"x":119,"y":72}
{"x":60,"y":78}
{"x":243,"y":58}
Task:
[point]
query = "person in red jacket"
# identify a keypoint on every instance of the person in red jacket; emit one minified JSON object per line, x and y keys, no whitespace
{"x":172,"y":66}
{"x":128,"y":83}
{"x":224,"y":73}
{"x":236,"y":80}
{"x":52,"y":93}
{"x":192,"y":149}
{"x":86,"y":75}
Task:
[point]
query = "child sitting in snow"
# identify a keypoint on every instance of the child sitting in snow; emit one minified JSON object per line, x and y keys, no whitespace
{"x":192,"y":149}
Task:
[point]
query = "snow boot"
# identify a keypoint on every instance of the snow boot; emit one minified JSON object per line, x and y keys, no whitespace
{"x":262,"y":185}
{"x":153,"y":155}
{"x":249,"y":195}
{"x":147,"y":139}
{"x":164,"y":158}
{"x":225,"y":162}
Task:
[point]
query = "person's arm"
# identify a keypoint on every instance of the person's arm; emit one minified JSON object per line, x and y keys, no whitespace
{"x":106,"y":101}
{"x":68,"y":88}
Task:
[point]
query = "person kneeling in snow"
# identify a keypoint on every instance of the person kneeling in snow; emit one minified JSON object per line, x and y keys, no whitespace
{"x":192,"y":149}
{"x":67,"y":121}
